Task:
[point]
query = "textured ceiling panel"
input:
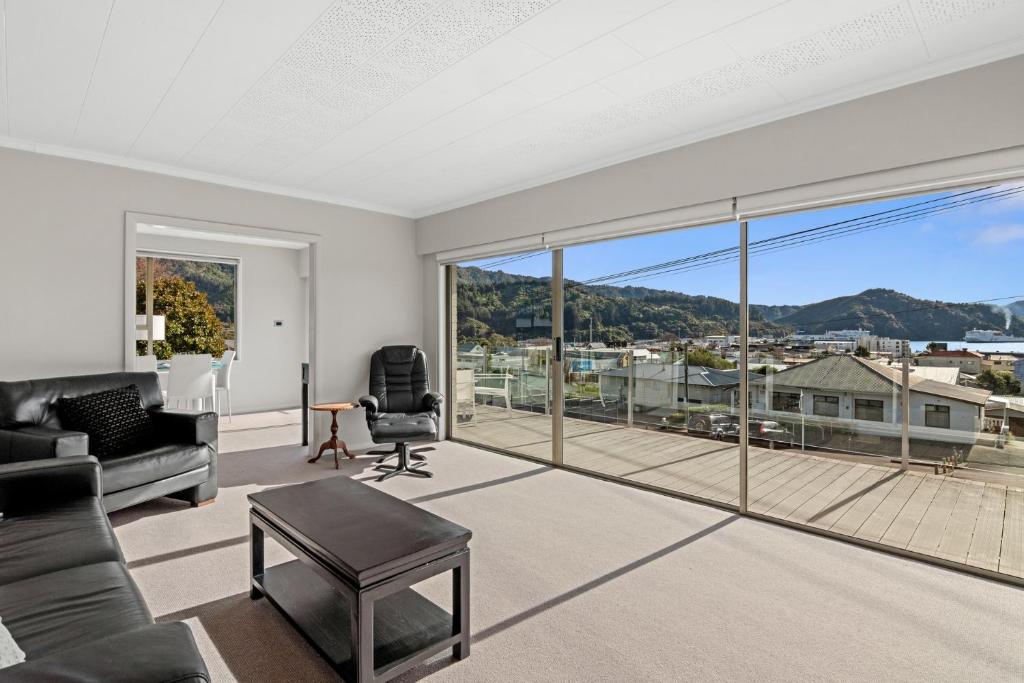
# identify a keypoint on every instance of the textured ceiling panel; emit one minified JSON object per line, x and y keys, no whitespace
{"x":674,"y":104}
{"x":244,"y":40}
{"x":428,"y":104}
{"x":52,"y":47}
{"x":364,"y":54}
{"x":932,"y":13}
{"x":146,"y":45}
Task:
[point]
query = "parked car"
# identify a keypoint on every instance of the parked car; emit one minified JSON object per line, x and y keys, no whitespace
{"x":715,"y":425}
{"x":763,"y":430}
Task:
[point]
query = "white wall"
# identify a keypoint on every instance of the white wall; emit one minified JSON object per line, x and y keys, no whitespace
{"x":62,"y":268}
{"x":972,"y":111}
{"x":270,"y":288}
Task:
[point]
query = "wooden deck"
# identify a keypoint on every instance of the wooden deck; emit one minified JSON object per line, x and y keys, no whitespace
{"x":973,"y":523}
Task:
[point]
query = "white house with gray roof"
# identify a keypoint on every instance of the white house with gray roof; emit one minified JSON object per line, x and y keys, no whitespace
{"x":660,"y":385}
{"x":844,"y":388}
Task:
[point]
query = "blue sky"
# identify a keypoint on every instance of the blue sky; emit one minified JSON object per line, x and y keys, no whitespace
{"x":969,"y":253}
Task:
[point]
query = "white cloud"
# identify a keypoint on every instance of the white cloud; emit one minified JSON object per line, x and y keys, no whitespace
{"x":999,"y":234}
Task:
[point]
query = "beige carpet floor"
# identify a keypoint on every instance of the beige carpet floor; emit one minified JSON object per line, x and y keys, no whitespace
{"x":575,"y":579}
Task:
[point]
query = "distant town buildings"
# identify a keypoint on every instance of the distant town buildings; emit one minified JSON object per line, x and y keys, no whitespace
{"x":831,"y":335}
{"x":884,"y":345}
{"x":969,"y":362}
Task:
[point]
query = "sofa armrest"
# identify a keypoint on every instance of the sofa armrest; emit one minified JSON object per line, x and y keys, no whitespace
{"x":432,"y":401}
{"x":371,"y":404}
{"x":195,"y":428}
{"x":42,"y":483}
{"x":157,"y":653}
{"x":37,"y":443}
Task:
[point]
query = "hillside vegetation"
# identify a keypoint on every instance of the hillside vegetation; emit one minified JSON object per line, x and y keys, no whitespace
{"x":491,"y":302}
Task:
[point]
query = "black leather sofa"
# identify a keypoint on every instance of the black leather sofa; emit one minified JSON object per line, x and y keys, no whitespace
{"x":65,"y":594}
{"x":181,"y":463}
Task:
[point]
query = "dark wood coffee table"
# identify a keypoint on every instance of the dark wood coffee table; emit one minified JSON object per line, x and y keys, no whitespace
{"x":358,"y":552}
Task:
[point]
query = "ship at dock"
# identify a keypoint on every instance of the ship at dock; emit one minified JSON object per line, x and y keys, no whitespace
{"x":990,"y":336}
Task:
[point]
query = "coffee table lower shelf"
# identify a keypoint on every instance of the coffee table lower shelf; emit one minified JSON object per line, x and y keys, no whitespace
{"x":406,"y":625}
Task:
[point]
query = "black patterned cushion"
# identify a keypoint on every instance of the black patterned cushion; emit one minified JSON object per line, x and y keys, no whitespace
{"x":114,"y":419}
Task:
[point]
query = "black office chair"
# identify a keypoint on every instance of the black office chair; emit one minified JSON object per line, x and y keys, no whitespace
{"x":400,"y":408}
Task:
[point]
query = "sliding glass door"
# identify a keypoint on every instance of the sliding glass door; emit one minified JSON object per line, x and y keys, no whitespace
{"x":898,"y":384}
{"x":650,"y":376}
{"x":504,"y":353}
{"x":883,"y":346}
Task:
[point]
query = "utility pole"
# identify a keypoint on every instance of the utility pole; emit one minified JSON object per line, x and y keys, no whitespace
{"x":686,"y":381}
{"x":905,"y":391}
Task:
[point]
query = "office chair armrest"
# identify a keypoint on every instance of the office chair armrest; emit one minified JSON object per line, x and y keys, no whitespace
{"x":432,"y":401}
{"x":371,"y":404}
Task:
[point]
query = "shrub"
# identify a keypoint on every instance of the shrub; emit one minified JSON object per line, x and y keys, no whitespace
{"x":192,"y":325}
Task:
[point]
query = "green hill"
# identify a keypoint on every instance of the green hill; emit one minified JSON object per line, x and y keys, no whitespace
{"x":519,"y":306}
{"x":493,"y":302}
{"x":888,"y":313}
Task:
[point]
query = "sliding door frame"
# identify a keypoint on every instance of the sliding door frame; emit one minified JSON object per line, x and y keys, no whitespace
{"x":740,"y":217}
{"x":557,"y":356}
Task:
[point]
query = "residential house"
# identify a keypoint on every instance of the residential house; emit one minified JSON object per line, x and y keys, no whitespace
{"x":470,"y":355}
{"x":969,"y":362}
{"x":1008,"y":411}
{"x":851,"y":388}
{"x":661,"y":385}
{"x":999,"y":362}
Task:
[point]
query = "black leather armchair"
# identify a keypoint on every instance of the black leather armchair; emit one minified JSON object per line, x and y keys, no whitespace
{"x":180,"y":463}
{"x":400,"y":408}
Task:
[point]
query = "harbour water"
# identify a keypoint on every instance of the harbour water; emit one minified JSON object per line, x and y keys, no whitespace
{"x":980,"y":347}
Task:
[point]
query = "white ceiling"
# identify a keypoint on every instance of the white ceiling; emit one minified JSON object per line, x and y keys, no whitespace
{"x":415,"y":106}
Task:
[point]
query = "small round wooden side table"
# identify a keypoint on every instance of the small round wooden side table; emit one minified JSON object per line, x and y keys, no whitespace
{"x":334,"y":442}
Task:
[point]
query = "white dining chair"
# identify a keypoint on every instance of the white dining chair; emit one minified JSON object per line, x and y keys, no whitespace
{"x":145,"y":363}
{"x":190,"y":379}
{"x":224,"y":381}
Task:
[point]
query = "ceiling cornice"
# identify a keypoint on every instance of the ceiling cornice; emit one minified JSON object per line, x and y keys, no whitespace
{"x":201,"y":176}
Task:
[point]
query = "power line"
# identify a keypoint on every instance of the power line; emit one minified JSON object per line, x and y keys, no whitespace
{"x":821,"y":227}
{"x":512,"y":259}
{"x":733,"y":254}
{"x":811,"y":235}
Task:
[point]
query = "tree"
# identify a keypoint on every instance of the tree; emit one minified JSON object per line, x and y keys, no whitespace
{"x":708,"y":359}
{"x":862,"y":352}
{"x":1001,"y":383}
{"x":495,"y":341}
{"x":192,"y":325}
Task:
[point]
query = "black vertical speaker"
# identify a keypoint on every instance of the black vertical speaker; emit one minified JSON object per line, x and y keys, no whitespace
{"x":305,"y":404}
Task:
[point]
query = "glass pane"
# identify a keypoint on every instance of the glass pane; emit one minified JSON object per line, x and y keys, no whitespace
{"x":193,"y":306}
{"x":857,"y":292}
{"x":503,"y":353}
{"x":651,"y":385}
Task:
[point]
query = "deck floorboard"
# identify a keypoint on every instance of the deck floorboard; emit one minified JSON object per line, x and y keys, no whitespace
{"x":981,"y":525}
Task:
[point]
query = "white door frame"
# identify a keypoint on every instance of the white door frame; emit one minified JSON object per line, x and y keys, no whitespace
{"x":227,"y":232}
